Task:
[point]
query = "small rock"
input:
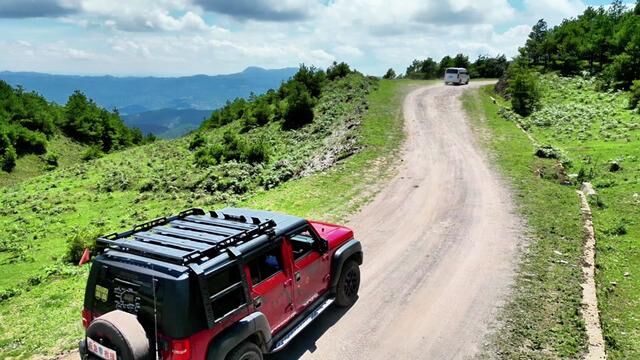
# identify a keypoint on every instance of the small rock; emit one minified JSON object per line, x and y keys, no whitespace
{"x":557,"y":252}
{"x":614,"y":166}
{"x":613,"y":283}
{"x":626,"y":274}
{"x":588,"y":189}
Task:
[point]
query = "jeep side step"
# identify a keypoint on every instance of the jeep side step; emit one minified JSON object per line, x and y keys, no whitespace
{"x":286,"y":339}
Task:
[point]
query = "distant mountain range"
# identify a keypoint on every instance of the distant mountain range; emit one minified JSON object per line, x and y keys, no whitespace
{"x":135,"y":95}
{"x":167,"y":123}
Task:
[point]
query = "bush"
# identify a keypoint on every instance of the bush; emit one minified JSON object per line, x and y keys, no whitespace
{"x":256,"y":152}
{"x":8,"y":159}
{"x":524,"y":91}
{"x":337,"y":71}
{"x":51,"y":160}
{"x":92,"y":153}
{"x":197,"y":141}
{"x":77,"y":244}
{"x":232,"y":148}
{"x":390,"y":74}
{"x":634,"y":99}
{"x":299,"y":109}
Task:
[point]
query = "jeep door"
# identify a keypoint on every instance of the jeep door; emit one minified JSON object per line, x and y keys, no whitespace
{"x":271,"y":285}
{"x":311,"y":268}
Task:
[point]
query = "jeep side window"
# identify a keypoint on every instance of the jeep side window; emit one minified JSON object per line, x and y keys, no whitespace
{"x":302,"y":243}
{"x":265,"y":265}
{"x":227,"y":293}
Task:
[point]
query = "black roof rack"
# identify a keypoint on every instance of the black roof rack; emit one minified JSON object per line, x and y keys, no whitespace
{"x":190,"y":237}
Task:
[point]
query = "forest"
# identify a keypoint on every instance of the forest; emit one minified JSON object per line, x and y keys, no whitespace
{"x":484,"y":66}
{"x":28,"y":121}
{"x":601,"y":41}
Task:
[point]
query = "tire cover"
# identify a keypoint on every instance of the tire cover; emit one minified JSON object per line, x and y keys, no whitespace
{"x":123,"y":333}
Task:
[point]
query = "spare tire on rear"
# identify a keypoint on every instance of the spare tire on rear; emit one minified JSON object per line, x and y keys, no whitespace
{"x":121,"y":331}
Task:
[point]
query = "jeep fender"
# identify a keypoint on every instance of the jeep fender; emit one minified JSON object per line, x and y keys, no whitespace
{"x":352,"y":249}
{"x":254,"y":324}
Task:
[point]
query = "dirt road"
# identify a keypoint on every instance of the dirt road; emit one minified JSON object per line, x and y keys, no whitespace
{"x":440,"y":244}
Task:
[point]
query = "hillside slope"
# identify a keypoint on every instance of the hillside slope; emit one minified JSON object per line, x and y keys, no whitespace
{"x":39,"y":216}
{"x":587,"y":135}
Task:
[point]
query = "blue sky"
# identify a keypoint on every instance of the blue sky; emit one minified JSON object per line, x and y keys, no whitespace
{"x":184,"y":37}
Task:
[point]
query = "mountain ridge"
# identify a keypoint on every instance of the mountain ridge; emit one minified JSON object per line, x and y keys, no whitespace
{"x":148,"y":93}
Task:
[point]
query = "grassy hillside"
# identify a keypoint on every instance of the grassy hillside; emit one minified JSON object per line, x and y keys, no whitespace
{"x":589,"y":136}
{"x":68,"y":152}
{"x":354,"y":134}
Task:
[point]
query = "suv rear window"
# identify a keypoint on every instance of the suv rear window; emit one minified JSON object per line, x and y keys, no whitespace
{"x":452,"y":71}
{"x":226,"y":290}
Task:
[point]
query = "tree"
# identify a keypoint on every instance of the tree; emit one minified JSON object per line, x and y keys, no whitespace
{"x":390,"y":74}
{"x":535,"y":45}
{"x":461,"y":61}
{"x":299,"y":108}
{"x":524,"y":91}
{"x":445,"y":62}
{"x":489,"y":67}
{"x":338,"y":70}
{"x":312,"y":78}
{"x":425,"y":69}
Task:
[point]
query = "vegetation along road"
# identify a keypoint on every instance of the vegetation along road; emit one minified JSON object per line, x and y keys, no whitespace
{"x":441,"y":243}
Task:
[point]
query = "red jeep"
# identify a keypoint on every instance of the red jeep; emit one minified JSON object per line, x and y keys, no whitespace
{"x":221,"y":285}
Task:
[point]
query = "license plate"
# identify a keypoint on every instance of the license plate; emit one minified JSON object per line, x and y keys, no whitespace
{"x":101,"y":350}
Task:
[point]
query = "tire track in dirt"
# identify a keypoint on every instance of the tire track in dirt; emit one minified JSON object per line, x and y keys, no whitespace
{"x":441,"y":243}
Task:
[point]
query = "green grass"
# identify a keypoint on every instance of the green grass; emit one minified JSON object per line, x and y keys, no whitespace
{"x":593,"y":129}
{"x":70,"y":201}
{"x":29,"y":166}
{"x":542,"y":320}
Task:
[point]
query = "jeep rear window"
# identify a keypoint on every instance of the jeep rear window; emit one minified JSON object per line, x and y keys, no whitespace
{"x":226,"y":291}
{"x":452,"y":71}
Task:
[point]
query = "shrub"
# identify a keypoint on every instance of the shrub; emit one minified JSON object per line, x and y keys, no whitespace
{"x":311,"y":78}
{"x":197,"y":141}
{"x":92,"y":153}
{"x":299,"y":108}
{"x":524,"y":91}
{"x":8,"y":159}
{"x":256,"y":152}
{"x":634,"y":98}
{"x":337,"y":71}
{"x":232,"y":148}
{"x":78,"y":243}
{"x":51,"y":160}
{"x":390,"y":74}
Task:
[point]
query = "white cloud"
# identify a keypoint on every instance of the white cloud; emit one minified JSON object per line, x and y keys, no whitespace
{"x":203,"y":36}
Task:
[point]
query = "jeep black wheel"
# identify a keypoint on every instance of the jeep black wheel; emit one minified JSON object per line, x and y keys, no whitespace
{"x":245,"y":351}
{"x":348,"y":284}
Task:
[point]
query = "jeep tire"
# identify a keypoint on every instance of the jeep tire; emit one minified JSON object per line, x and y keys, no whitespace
{"x":245,"y":351}
{"x":348,"y":284}
{"x":121,"y":332}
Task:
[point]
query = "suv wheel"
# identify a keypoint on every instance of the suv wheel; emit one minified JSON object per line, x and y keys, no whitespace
{"x":121,"y":331}
{"x":245,"y":351}
{"x":348,"y":284}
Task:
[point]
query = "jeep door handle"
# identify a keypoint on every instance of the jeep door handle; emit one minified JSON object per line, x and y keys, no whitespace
{"x":298,"y":276}
{"x":257,"y":302}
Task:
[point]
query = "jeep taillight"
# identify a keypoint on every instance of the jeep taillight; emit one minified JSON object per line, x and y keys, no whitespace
{"x":180,"y":349}
{"x":87,"y":317}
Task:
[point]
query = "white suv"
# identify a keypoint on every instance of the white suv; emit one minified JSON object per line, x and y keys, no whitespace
{"x":456,"y":76}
